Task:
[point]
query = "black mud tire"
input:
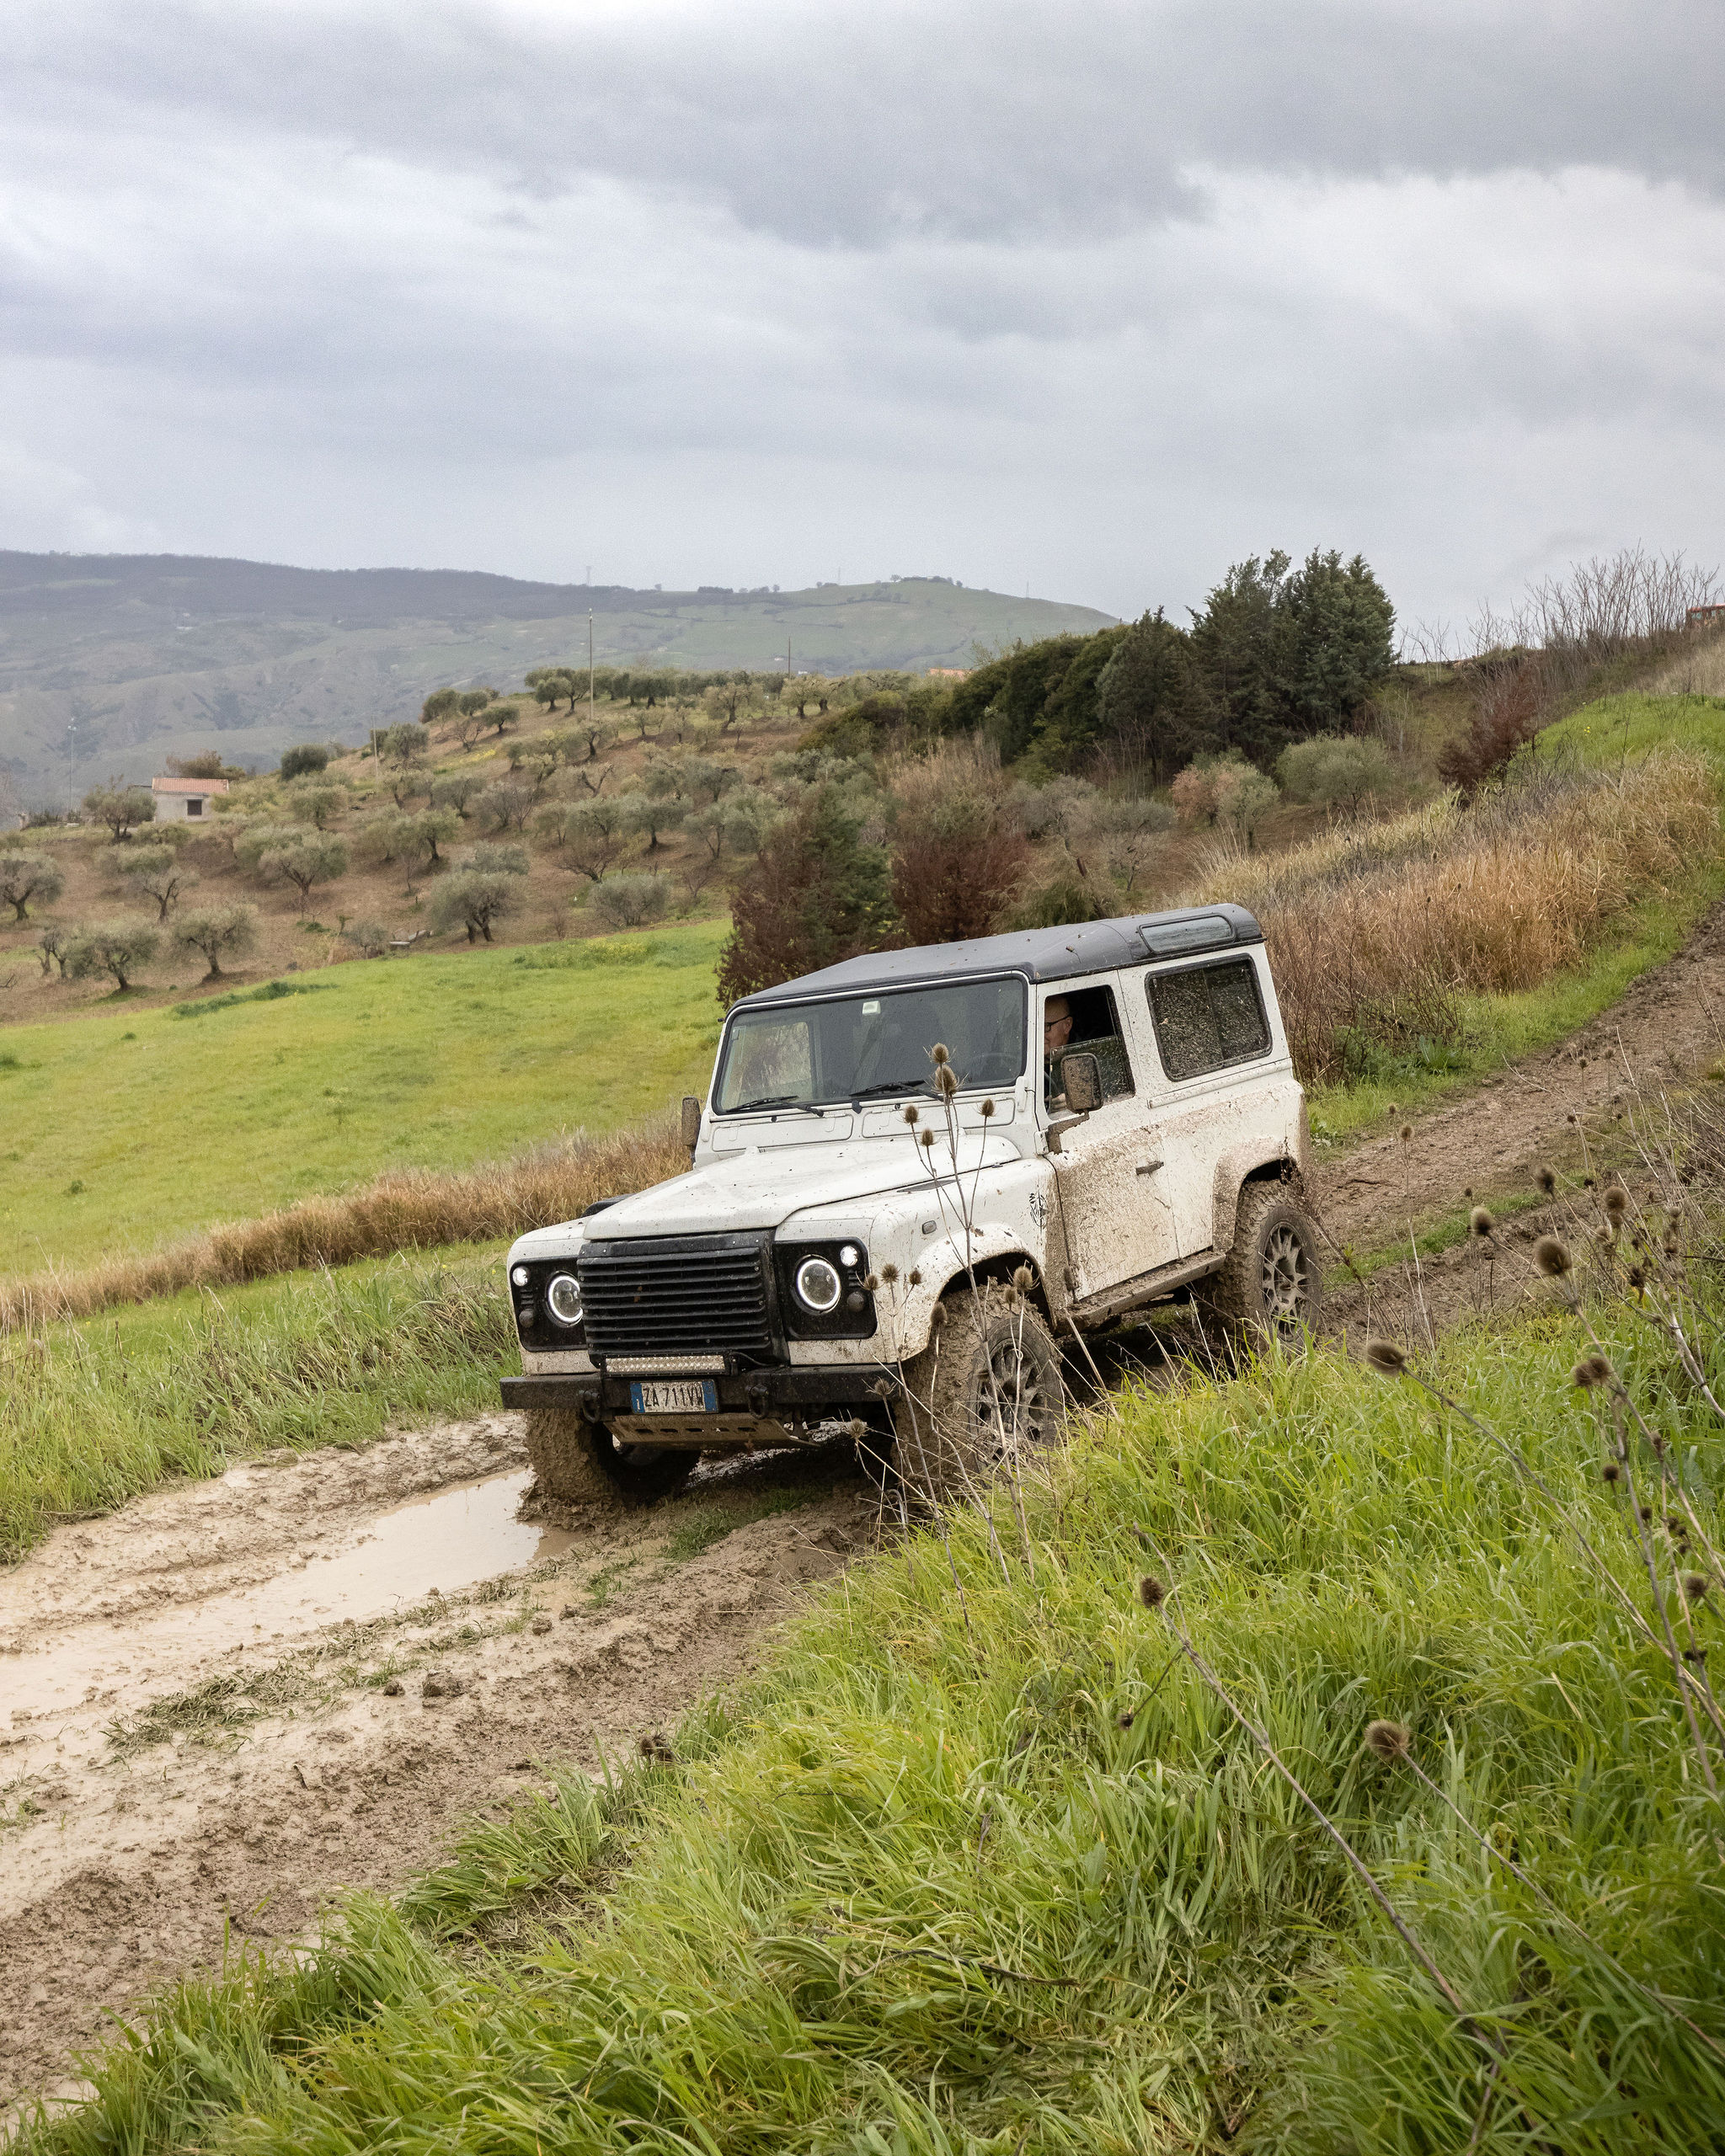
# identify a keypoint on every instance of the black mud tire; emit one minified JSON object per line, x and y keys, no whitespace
{"x":579,"y":1463}
{"x":1271,"y":1289}
{"x":986,"y":1392}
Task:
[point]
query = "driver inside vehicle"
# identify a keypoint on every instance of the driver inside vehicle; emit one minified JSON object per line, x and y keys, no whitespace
{"x":1056,"y":1031}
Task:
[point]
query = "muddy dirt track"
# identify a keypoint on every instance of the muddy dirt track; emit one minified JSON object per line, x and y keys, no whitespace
{"x":226,"y":1702}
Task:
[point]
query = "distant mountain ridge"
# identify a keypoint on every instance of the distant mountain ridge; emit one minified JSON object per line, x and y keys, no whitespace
{"x":110,"y":662}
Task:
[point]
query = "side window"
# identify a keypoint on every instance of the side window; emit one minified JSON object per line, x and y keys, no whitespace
{"x":1087,"y":1018}
{"x":1208,"y":1016}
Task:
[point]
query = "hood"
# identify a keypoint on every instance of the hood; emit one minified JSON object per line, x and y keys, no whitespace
{"x":764,"y":1189}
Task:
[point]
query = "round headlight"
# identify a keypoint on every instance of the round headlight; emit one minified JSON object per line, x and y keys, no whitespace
{"x":849,"y":1255}
{"x":520,"y":1275}
{"x":818,"y":1286}
{"x":563,"y":1298}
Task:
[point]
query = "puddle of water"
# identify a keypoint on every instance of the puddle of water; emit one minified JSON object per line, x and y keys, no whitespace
{"x":448,"y":1540}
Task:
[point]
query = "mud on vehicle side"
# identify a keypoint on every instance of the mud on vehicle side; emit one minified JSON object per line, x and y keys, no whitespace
{"x":916,"y":1172}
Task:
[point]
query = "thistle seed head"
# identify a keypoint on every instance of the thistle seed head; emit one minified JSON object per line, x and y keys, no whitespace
{"x":1548,"y":1182}
{"x":1695,"y":1654}
{"x":889,"y":1272}
{"x":1590,"y":1370}
{"x":938,"y":1316}
{"x":926,"y":1138}
{"x":858,"y":1429}
{"x":1023,"y":1279}
{"x":947,"y":1080}
{"x":1390,"y":1740}
{"x":1616,"y":1202}
{"x":910,"y":1115}
{"x":987,"y":1110}
{"x":1481,"y":1221}
{"x":1405,"y":1132}
{"x":1570,"y":1117}
{"x":1552,"y":1257}
{"x":1638,"y":1277}
{"x":1386,"y":1357}
{"x":1695,"y":1586}
{"x":914,"y":1276}
{"x":939,"y":1053}
{"x":1610,"y":1471}
{"x":1644,"y":1512}
{"x":871,"y":1283}
{"x":1152,"y":1593}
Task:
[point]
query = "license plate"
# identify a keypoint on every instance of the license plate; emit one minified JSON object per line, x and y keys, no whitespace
{"x":675,"y":1396}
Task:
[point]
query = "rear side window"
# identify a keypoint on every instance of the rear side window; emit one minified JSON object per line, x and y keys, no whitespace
{"x":1208,"y":1016}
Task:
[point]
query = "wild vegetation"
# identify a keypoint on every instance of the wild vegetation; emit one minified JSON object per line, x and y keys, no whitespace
{"x":1329,"y":1764}
{"x":98,"y":1413}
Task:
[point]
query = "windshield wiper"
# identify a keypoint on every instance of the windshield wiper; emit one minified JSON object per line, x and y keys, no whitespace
{"x":775,"y":1101}
{"x":888,"y":1086}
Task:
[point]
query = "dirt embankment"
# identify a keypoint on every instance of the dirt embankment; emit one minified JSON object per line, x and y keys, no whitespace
{"x":231,"y":1699}
{"x":1572,"y":1108}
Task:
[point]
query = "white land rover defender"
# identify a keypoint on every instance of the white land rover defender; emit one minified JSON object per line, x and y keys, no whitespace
{"x":919,"y":1175}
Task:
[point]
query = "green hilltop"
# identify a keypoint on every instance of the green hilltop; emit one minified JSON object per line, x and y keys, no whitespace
{"x":110,"y":663}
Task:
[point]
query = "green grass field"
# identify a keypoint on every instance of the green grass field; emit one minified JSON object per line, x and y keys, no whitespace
{"x":129,"y":1128}
{"x":980,"y":1866}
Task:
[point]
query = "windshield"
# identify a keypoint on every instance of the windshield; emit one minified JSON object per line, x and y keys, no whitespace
{"x":872,"y":1046}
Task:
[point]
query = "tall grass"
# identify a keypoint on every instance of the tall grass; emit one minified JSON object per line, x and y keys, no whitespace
{"x":91,"y":1416}
{"x":412,"y":1209}
{"x":1375,"y":933}
{"x":1002,"y":1875}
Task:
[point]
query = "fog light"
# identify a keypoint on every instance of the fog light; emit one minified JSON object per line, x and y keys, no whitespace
{"x":563,"y":1298}
{"x":520,"y":1276}
{"x":850,"y":1255}
{"x":818,"y":1286}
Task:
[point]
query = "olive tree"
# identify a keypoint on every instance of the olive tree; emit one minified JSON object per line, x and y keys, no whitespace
{"x":632,"y":901}
{"x":457,"y":790}
{"x":420,"y":835}
{"x":27,"y":876}
{"x":122,"y":809}
{"x":303,"y":858}
{"x":157,"y":873}
{"x":482,"y":888}
{"x":595,"y":836}
{"x":645,"y":815}
{"x":119,"y":948}
{"x":1336,"y":770}
{"x":227,"y":931}
{"x":315,"y":800}
{"x":302,"y":762}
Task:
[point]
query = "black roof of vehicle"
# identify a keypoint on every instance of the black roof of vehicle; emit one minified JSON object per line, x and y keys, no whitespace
{"x":1090,"y":946}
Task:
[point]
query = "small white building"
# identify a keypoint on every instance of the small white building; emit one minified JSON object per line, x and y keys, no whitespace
{"x":184,"y":800}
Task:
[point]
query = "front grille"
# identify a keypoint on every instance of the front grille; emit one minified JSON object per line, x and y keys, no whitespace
{"x":677,"y":1295}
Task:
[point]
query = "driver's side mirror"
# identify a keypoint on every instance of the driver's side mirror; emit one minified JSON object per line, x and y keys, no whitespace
{"x":1080,"y":1081}
{"x":690,"y":1131}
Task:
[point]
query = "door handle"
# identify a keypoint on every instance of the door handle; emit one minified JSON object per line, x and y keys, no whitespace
{"x":1148,"y":1167}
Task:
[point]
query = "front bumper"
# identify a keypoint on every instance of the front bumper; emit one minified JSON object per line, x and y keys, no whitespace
{"x":773,"y":1394}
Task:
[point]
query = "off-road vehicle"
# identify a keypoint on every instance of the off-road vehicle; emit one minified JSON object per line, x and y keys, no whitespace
{"x":919,"y":1177}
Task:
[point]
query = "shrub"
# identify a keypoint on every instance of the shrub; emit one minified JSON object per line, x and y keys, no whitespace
{"x":506,"y":805}
{"x":228,"y":931}
{"x":206,"y":764}
{"x":1336,"y":770}
{"x":1511,"y":701}
{"x":370,"y":938}
{"x":958,"y":849}
{"x":632,"y":901}
{"x":24,"y":876}
{"x":119,"y":948}
{"x":302,"y":762}
{"x":815,"y":894}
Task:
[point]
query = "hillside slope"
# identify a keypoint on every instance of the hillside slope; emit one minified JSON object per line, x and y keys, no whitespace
{"x":110,"y":663}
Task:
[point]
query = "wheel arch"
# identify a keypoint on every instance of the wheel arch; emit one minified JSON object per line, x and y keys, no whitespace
{"x":1254,"y":1162}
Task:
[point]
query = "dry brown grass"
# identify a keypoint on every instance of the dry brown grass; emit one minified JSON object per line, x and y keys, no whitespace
{"x":411,"y":1208}
{"x":1373,"y":932}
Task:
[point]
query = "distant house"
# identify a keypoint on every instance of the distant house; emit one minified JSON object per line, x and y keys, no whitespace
{"x":949,"y":673}
{"x":184,"y":800}
{"x":1703,"y":616}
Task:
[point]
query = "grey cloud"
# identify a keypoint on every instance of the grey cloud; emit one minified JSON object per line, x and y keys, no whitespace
{"x":839,"y":125}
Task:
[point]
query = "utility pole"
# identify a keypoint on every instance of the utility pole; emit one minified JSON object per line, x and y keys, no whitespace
{"x":591,"y":721}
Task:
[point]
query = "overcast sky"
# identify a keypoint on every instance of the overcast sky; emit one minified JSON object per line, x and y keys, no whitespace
{"x":1091,"y":298}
